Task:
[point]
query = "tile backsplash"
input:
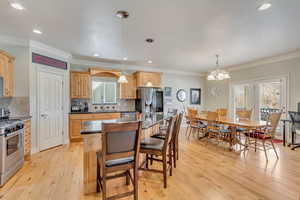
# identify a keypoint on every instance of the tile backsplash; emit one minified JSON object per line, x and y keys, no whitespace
{"x":18,"y":106}
{"x":122,"y":105}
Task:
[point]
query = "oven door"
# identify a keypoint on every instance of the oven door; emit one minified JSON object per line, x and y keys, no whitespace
{"x":14,"y":149}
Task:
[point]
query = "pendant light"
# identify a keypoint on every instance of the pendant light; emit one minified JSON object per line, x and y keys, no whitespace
{"x":218,"y":74}
{"x":122,"y":15}
{"x":149,"y":42}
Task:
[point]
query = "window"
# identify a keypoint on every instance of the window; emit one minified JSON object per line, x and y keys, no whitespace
{"x":104,"y":91}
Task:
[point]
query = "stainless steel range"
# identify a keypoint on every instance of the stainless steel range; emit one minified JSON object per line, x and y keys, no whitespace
{"x":12,"y":146}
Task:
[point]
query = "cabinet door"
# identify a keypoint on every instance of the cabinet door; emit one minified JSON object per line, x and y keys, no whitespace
{"x":75,"y":128}
{"x":80,"y":85}
{"x":6,"y":72}
{"x":128,"y":90}
{"x":143,"y":78}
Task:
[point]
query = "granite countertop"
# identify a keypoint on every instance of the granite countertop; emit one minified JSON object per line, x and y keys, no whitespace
{"x":91,"y":127}
{"x":21,"y":117}
{"x":105,"y":111}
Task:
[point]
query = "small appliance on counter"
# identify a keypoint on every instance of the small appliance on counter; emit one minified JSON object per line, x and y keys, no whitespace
{"x":11,"y":144}
{"x":80,"y":107}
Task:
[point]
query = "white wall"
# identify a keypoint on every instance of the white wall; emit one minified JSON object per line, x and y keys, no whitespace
{"x":290,"y":68}
{"x":21,"y":67}
{"x":183,"y":82}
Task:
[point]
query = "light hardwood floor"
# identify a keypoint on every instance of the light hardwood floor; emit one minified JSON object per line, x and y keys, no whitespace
{"x":203,"y":172}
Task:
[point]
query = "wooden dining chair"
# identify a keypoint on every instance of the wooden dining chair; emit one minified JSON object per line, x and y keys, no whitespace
{"x":175,"y":138}
{"x":222,"y":112}
{"x":262,"y":139}
{"x":119,"y":155}
{"x":212,"y":126}
{"x":153,"y":148}
{"x":243,"y":115}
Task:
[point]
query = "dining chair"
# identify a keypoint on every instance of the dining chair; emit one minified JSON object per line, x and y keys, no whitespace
{"x":212,"y":127}
{"x":191,"y":114}
{"x":175,"y":138}
{"x":153,"y":147}
{"x":119,"y":155}
{"x":262,"y":139}
{"x":222,"y":112}
{"x":243,"y":115}
{"x":295,"y":118}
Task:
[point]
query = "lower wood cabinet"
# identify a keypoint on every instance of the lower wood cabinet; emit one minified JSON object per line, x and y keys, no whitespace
{"x":76,"y":120}
{"x":27,"y":139}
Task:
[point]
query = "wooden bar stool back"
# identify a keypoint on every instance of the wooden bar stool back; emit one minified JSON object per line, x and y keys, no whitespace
{"x":157,"y":147}
{"x":120,"y":153}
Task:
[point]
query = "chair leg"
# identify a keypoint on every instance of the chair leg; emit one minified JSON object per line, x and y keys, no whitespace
{"x":177,"y":149}
{"x":264,"y":146}
{"x":174,"y":153}
{"x":187,"y":130}
{"x":255,"y":144}
{"x":135,"y":185}
{"x":170,"y":160}
{"x":128,"y":178}
{"x":147,"y":161}
{"x":191,"y":129}
{"x":98,"y":176}
{"x":274,"y":149}
{"x":104,"y":187}
{"x":165,"y":170}
{"x":151,"y":160}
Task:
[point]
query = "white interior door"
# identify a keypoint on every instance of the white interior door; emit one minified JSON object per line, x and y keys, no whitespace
{"x":50,"y":109}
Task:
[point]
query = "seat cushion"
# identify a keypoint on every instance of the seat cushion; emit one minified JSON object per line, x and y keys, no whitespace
{"x":198,"y":125}
{"x":161,"y":136}
{"x":238,"y":129}
{"x":121,"y":161}
{"x":152,"y":143}
{"x":258,"y":135}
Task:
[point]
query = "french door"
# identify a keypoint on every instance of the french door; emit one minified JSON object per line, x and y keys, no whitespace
{"x":262,"y":96}
{"x":50,"y":109}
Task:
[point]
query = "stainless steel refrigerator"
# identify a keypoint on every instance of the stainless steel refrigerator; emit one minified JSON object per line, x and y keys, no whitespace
{"x":149,"y":100}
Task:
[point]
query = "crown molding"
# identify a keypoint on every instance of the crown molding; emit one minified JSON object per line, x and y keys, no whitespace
{"x":265,"y":61}
{"x":39,"y":47}
{"x":88,"y":63}
{"x":13,"y":40}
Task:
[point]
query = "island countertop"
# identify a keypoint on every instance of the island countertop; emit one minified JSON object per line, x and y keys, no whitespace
{"x":92,"y":127}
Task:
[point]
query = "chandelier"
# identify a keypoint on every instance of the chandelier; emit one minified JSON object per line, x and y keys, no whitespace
{"x":218,"y":74}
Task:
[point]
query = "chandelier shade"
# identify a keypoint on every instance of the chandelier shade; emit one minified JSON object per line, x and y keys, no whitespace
{"x":218,"y":74}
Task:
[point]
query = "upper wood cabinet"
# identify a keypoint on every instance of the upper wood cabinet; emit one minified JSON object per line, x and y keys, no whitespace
{"x":6,"y":72}
{"x":148,"y":79}
{"x":128,"y":90}
{"x":80,"y":85}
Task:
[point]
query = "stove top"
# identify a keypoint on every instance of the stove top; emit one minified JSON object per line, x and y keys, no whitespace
{"x":8,"y":126}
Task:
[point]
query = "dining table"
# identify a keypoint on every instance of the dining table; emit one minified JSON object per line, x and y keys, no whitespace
{"x":234,"y":123}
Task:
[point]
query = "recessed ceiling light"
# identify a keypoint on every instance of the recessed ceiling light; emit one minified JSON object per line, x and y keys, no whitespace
{"x":17,"y":6}
{"x":96,"y":55}
{"x":125,"y":58}
{"x":150,"y":61}
{"x":37,"y":31}
{"x":264,"y":6}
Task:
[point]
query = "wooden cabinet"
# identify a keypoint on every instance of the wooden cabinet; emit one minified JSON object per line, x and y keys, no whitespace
{"x":80,"y":85}
{"x":76,"y":120}
{"x":128,"y":90}
{"x":6,"y":72}
{"x":27,"y":139}
{"x":148,"y":79}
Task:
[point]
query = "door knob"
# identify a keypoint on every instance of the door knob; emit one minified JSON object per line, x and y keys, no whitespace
{"x":44,"y":116}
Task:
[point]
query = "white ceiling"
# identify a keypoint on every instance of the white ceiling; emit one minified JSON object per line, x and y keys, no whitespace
{"x":187,"y":33}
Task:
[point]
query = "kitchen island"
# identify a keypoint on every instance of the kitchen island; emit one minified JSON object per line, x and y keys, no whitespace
{"x":92,"y":143}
